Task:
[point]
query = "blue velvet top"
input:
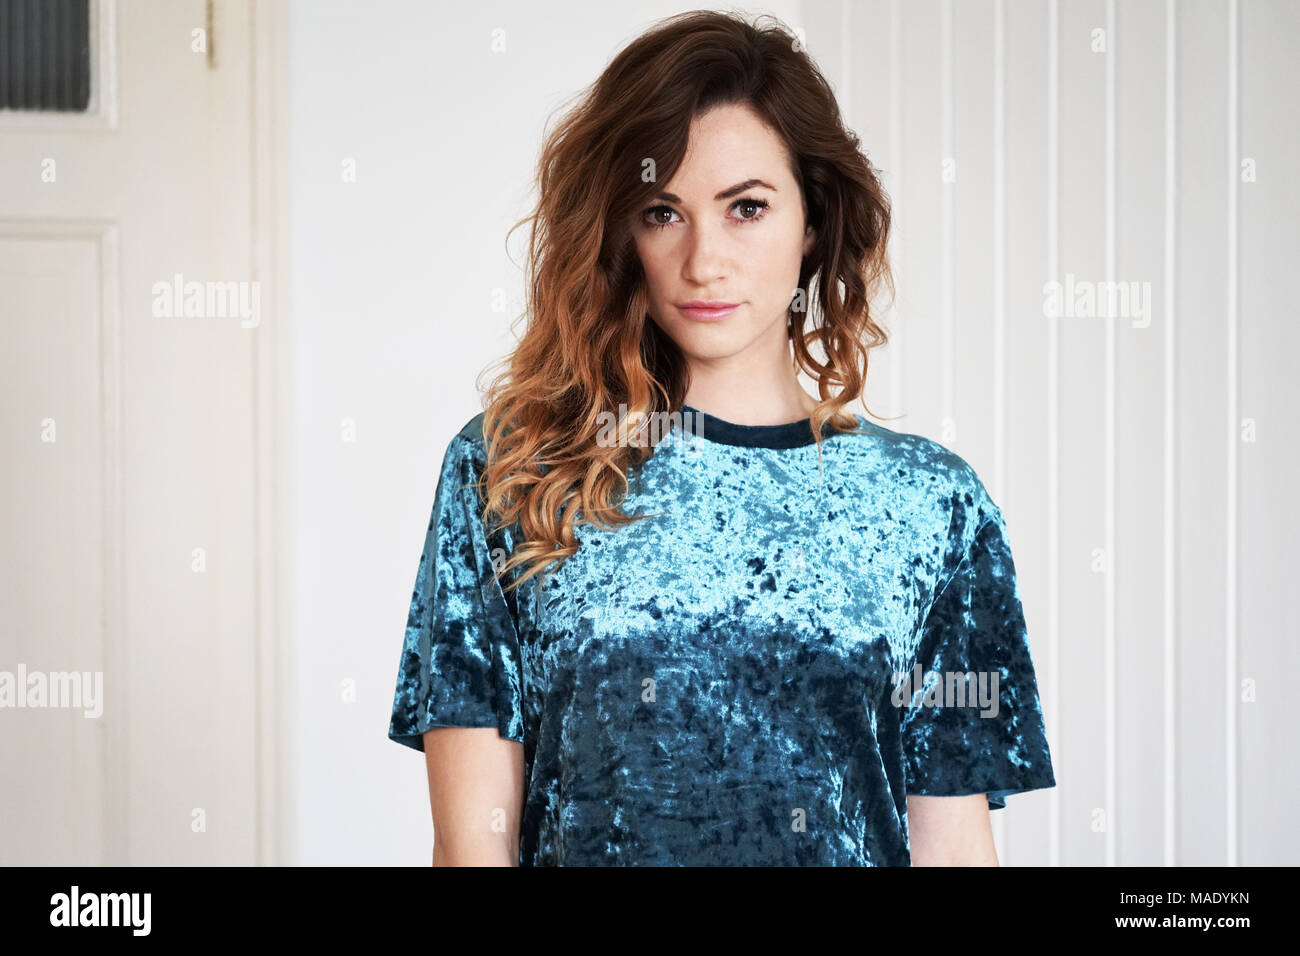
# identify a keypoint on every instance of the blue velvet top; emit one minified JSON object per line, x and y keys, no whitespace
{"x":758,"y":675}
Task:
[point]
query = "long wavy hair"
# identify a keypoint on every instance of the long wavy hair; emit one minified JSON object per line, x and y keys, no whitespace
{"x":589,"y":346}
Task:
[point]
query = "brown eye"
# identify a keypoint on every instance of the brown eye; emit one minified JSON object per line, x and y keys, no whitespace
{"x":759,"y":206}
{"x":650,"y":216}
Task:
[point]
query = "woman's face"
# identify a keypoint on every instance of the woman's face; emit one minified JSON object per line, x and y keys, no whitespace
{"x":729,"y":227}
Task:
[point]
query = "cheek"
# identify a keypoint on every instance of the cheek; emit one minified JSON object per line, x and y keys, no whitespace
{"x":786,"y":251}
{"x":779,"y":266}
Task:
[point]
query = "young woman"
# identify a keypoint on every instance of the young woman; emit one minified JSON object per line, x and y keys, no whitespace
{"x":739,"y":639}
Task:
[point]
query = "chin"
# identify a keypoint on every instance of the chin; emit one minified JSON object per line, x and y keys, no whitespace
{"x":707,"y":341}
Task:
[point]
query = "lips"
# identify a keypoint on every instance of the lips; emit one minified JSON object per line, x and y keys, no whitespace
{"x":707,"y":311}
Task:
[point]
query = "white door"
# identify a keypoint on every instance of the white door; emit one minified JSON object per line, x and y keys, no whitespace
{"x":129,"y":668}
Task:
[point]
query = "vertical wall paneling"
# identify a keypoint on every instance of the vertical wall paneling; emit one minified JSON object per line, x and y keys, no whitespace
{"x":999,"y":316}
{"x":1108,"y":464}
{"x":1268,"y":247}
{"x":1056,"y":696}
{"x":1169,"y":524}
{"x":1232,"y":419}
{"x":1202,"y":242}
{"x":1142,"y":444}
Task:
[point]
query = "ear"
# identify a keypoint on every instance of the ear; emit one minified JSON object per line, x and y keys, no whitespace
{"x":809,"y":239}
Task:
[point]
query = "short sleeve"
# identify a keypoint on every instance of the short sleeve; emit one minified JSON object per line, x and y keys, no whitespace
{"x":977,"y":724}
{"x":460,"y":663}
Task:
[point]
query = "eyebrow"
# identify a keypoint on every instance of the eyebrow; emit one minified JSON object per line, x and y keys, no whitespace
{"x":725,"y":194}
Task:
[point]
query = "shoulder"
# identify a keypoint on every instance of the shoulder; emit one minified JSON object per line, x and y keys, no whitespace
{"x":469,"y":447}
{"x":464,"y":456}
{"x":928,"y":475}
{"x":472,"y":431}
{"x":918,"y":458}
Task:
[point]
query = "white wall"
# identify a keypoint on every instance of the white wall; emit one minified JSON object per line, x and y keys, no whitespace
{"x":1145,"y":463}
{"x":1106,"y":442}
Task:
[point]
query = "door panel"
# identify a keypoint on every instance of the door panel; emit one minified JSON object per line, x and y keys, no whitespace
{"x":131,"y":537}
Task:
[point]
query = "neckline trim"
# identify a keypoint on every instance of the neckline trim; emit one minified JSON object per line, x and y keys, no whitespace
{"x":786,"y":435}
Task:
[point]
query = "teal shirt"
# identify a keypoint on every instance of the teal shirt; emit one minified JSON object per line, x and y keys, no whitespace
{"x":757,"y":675}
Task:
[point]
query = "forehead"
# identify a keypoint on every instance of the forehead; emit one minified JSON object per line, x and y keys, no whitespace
{"x":728,"y":145}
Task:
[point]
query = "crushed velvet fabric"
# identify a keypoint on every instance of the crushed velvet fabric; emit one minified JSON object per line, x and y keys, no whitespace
{"x":750,"y":677}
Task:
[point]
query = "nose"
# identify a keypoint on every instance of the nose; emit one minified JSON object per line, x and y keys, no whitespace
{"x":705,"y":262}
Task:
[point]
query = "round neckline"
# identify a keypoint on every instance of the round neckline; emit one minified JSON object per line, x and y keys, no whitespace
{"x":786,"y":435}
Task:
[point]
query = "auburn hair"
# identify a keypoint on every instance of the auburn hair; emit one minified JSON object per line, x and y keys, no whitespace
{"x":589,"y":346}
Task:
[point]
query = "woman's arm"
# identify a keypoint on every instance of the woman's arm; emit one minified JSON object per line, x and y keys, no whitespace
{"x":951,"y":831}
{"x":476,"y":795}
